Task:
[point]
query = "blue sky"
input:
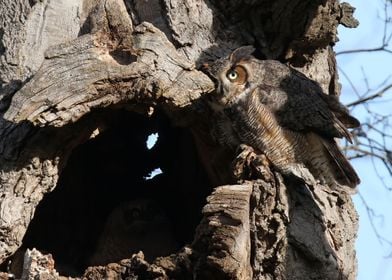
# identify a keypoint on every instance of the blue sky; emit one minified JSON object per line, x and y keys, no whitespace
{"x":373,"y":262}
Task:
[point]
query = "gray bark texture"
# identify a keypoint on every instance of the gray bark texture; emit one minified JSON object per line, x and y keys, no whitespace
{"x":67,"y":67}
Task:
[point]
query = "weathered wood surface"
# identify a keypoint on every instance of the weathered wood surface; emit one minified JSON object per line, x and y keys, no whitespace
{"x":61,"y":60}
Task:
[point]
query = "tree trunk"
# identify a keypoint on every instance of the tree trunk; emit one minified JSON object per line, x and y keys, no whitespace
{"x":83,"y":84}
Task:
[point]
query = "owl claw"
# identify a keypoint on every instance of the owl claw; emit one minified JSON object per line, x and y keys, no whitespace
{"x":240,"y":165}
{"x":249,"y":165}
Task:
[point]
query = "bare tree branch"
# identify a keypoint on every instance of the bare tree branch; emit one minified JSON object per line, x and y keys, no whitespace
{"x":376,"y":49}
{"x":371,"y":97}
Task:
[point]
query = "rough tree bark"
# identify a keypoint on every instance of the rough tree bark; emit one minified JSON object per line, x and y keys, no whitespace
{"x":71,"y":70}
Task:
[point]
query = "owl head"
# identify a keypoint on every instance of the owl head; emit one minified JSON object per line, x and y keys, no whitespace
{"x":233,"y":75}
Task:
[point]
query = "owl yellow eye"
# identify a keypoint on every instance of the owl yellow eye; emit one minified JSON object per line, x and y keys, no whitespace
{"x":237,"y":75}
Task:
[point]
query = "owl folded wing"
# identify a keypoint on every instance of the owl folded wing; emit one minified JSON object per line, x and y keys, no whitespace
{"x":305,"y":107}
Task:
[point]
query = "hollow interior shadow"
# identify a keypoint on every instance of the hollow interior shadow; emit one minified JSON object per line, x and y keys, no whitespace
{"x":106,"y":207}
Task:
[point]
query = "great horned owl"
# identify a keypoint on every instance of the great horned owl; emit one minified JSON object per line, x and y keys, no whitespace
{"x":133,"y":226}
{"x":280,"y":112}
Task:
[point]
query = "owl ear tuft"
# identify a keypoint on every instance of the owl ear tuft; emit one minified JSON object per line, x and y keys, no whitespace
{"x":242,"y":54}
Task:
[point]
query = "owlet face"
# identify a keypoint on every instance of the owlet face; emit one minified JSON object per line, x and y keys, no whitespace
{"x":233,"y":76}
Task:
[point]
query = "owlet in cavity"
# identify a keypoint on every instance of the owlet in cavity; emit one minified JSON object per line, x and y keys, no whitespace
{"x":280,"y":112}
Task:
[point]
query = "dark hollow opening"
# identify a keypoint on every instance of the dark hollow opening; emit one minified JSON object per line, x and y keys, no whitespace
{"x":106,"y":207}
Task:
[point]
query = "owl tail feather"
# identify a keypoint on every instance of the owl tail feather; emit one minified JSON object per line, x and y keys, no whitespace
{"x":345,"y":173}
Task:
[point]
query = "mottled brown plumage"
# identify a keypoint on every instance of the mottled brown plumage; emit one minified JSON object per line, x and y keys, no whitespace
{"x":136,"y":225}
{"x":283,"y":114}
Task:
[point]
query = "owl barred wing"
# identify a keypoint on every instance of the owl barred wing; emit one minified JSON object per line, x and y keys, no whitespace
{"x":304,"y":107}
{"x":341,"y":111}
{"x":311,"y":114}
{"x":299,"y":104}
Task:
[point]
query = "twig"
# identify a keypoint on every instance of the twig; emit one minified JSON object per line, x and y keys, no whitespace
{"x":377,"y":49}
{"x":373,"y":96}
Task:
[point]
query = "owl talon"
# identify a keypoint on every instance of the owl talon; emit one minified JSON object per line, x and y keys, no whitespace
{"x":244,"y":149}
{"x":249,"y":165}
{"x":261,"y":168}
{"x":240,"y":165}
